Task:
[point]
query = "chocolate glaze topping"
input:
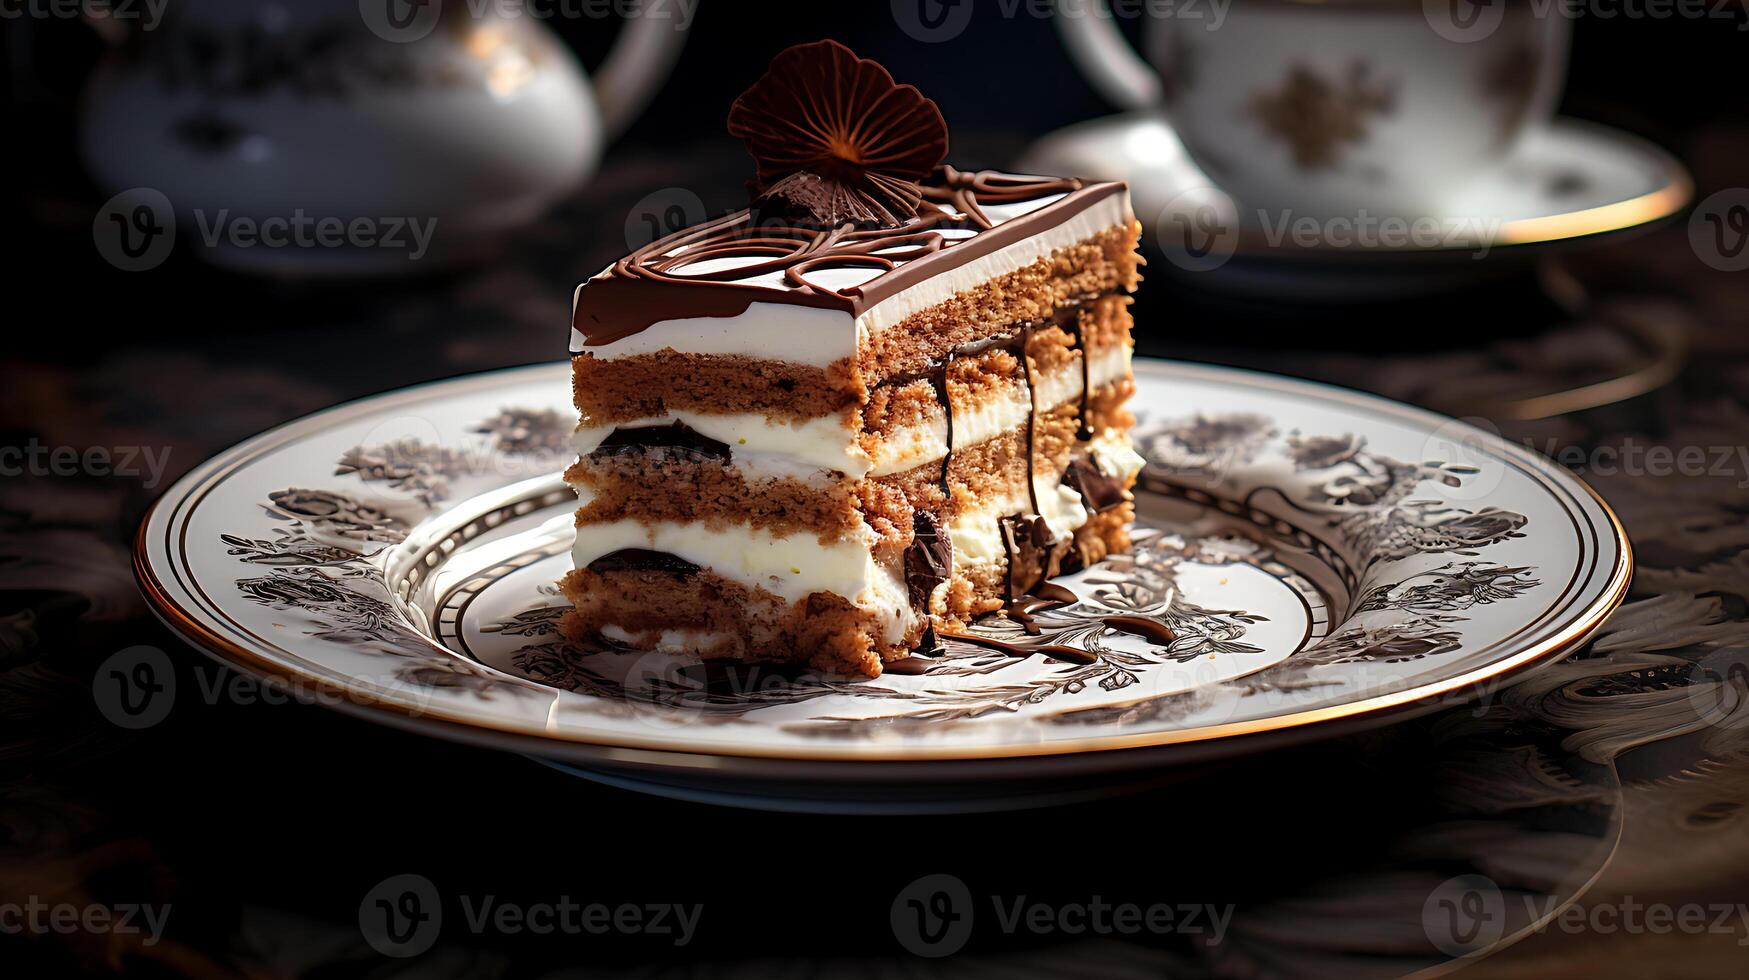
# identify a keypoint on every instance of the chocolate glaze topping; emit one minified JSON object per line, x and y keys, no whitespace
{"x":653,"y":283}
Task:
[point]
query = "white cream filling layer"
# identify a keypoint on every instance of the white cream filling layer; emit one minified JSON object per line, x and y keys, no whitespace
{"x":909,"y":446}
{"x":766,"y":332}
{"x":977,"y":535}
{"x":814,"y":449}
{"x":796,"y":566}
{"x":792,"y":566}
{"x":912,"y":446}
{"x":1116,"y":455}
{"x":756,"y":441}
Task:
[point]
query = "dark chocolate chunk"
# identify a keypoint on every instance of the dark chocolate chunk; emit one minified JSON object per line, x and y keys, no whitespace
{"x":1035,"y":554}
{"x":677,"y":435}
{"x":928,"y":558}
{"x":642,"y":560}
{"x":1098,"y":491}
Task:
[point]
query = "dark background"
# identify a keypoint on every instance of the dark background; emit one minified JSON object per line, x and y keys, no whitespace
{"x":265,"y":824}
{"x":1000,"y":84}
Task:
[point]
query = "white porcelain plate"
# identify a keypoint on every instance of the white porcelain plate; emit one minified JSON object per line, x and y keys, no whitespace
{"x":1322,"y":559}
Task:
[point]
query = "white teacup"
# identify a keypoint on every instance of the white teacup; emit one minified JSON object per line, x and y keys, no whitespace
{"x":1336,"y":107}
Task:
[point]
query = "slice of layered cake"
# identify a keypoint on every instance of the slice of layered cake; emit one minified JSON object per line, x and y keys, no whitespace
{"x":883,"y":401}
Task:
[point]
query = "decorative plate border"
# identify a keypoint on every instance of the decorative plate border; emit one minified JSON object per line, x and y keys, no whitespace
{"x":205,"y":628}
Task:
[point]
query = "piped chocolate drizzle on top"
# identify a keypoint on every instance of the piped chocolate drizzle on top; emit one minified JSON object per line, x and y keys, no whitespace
{"x":661,"y":281}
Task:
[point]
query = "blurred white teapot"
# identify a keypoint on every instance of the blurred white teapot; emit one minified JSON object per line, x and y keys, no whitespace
{"x":344,"y":137}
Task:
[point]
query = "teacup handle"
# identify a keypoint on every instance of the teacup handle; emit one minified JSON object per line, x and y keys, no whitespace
{"x":639,"y":62}
{"x":1099,"y":47}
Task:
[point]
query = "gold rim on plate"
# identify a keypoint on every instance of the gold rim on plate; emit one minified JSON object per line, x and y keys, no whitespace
{"x":458,"y":725}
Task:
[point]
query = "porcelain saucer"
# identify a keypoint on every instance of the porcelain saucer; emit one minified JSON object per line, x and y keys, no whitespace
{"x":1565,"y":183}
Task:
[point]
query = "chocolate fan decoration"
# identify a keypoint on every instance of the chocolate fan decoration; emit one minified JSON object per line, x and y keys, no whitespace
{"x":837,"y":140}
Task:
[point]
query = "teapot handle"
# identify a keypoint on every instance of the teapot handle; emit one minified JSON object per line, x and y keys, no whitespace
{"x":642,"y":56}
{"x":1095,"y":43}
